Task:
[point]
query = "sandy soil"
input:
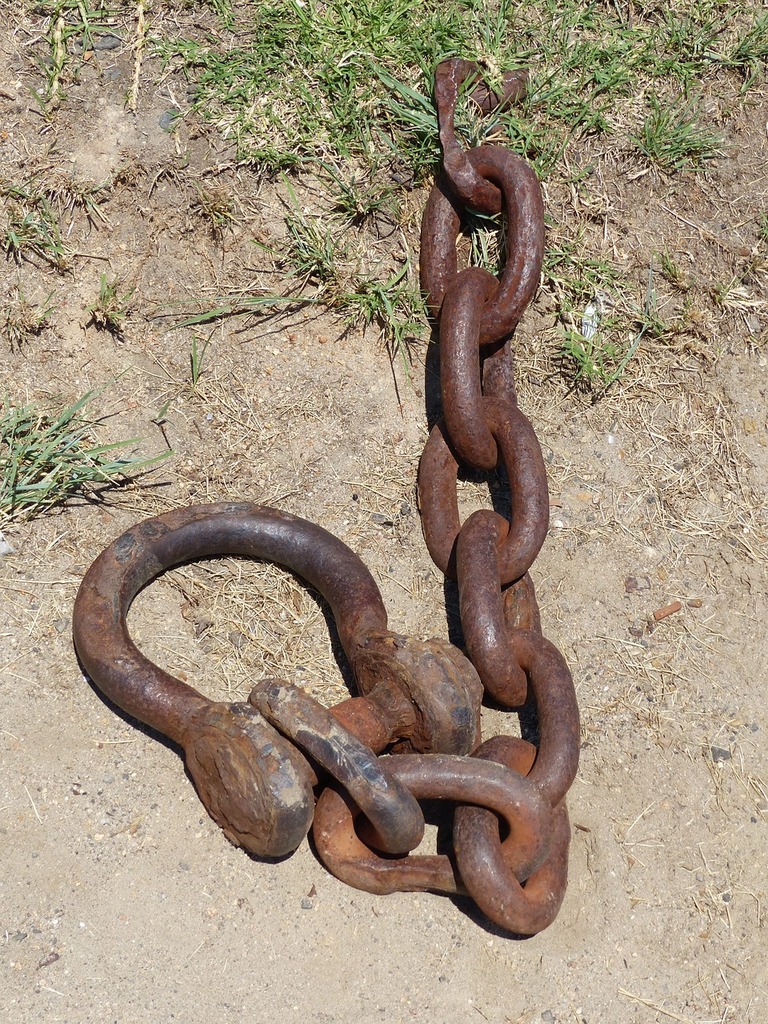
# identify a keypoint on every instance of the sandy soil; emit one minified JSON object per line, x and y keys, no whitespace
{"x":120,"y":900}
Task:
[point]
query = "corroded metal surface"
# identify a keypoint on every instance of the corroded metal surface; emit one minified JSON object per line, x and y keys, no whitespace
{"x":413,"y":732}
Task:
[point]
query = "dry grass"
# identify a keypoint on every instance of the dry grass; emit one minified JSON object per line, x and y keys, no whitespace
{"x":235,"y":621}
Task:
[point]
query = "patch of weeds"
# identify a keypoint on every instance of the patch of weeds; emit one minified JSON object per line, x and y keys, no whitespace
{"x":689,"y":44}
{"x":48,"y":457}
{"x":594,"y":359}
{"x":23,"y":320}
{"x":396,"y":306}
{"x":674,"y":138}
{"x":313,"y":251}
{"x":762,"y":228}
{"x":733,"y":297}
{"x":673,"y":274}
{"x":649,"y":321}
{"x":598,"y":355}
{"x":217,"y":206}
{"x":109,"y":311}
{"x":72,"y":28}
{"x":576,"y":276}
{"x":70,"y":193}
{"x":32,"y":226}
{"x":750,"y":52}
{"x":358,"y":197}
{"x":313,"y":248}
{"x":611,"y":328}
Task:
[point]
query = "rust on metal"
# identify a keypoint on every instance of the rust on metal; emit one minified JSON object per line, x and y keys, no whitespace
{"x":412,"y":733}
{"x":521,"y":537}
{"x":490,"y":554}
{"x":389,"y":807}
{"x":458,"y":779}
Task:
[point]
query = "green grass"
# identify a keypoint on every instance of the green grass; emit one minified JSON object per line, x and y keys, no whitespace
{"x":31,"y":226}
{"x":47,"y":457}
{"x":110,"y":310}
{"x":196,"y":357}
{"x":298,"y":80}
{"x":394,"y":305}
{"x":22,"y":320}
{"x":338,"y":94}
{"x":674,"y":137}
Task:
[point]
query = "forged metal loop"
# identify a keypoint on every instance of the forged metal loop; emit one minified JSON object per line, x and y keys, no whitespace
{"x":481,"y":607}
{"x":525,"y":232}
{"x":465,"y":419}
{"x":438,"y":501}
{"x":393,"y":812}
{"x":437,"y":777}
{"x":486,"y":868}
{"x":255,"y":783}
{"x":470,"y":187}
{"x":510,"y":659}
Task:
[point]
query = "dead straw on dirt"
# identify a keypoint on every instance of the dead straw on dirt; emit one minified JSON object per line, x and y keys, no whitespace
{"x":139,"y":45}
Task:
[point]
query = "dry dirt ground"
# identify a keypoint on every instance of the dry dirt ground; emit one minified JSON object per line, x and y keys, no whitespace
{"x":120,"y":900}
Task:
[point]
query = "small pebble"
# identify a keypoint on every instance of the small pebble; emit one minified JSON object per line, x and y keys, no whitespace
{"x":107,"y":42}
{"x":634,"y":584}
{"x":168,"y":119}
{"x":306,"y":904}
{"x":720,"y":754}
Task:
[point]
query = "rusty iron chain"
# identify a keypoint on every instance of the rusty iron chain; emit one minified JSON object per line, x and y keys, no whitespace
{"x":489,"y":555}
{"x":414,"y":731}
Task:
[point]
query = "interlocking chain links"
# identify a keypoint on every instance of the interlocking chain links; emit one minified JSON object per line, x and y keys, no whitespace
{"x":255,"y":764}
{"x":489,"y":556}
{"x":255,"y":783}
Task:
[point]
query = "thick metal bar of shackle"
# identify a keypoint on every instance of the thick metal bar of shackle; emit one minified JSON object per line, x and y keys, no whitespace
{"x":525,"y":232}
{"x":388,"y":805}
{"x":101,"y":636}
{"x":529,"y":493}
{"x":439,"y":777}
